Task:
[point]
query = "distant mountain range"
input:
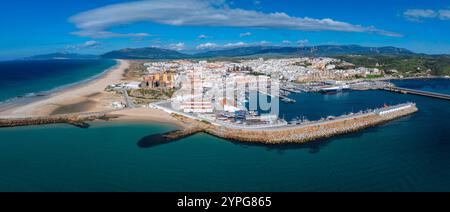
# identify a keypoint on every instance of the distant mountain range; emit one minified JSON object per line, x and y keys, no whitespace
{"x":145,"y":53}
{"x":326,"y":50}
{"x":61,"y":56}
{"x":400,"y":59}
{"x":236,"y":52}
{"x":251,"y":51}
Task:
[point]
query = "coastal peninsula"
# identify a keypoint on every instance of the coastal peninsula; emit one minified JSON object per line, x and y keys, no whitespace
{"x":115,"y":96}
{"x":84,"y":102}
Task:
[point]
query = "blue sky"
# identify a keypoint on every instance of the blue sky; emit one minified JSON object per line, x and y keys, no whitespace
{"x":94,"y":27}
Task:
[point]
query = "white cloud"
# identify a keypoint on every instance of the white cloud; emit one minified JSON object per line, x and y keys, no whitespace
{"x":202,"y":36}
{"x":302,"y":42}
{"x":214,"y":46}
{"x":246,"y":34}
{"x":236,"y":45}
{"x":177,"y":46}
{"x":444,"y":14}
{"x":86,"y":45}
{"x":263,"y":43}
{"x":105,"y":34}
{"x":417,"y":14}
{"x":91,"y":43}
{"x":207,"y":46}
{"x":95,"y":23}
{"x":287,"y":42}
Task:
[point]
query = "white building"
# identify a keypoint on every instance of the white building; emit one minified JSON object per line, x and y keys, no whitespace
{"x":197,"y":107}
{"x":118,"y":105}
{"x":393,"y":109}
{"x":132,"y":85}
{"x":230,"y":108}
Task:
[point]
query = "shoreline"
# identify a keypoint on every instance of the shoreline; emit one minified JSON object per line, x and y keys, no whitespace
{"x":297,"y":134}
{"x":185,"y":126}
{"x":40,"y":95}
{"x":82,"y":99}
{"x":145,"y":116}
{"x":409,"y":78}
{"x":64,"y":95}
{"x":94,"y":104}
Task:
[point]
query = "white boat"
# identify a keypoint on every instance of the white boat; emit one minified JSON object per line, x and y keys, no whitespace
{"x":334,"y":89}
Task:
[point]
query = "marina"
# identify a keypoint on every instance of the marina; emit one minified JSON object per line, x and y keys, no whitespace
{"x":214,"y":97}
{"x":299,"y":132}
{"x":110,"y":148}
{"x":313,"y":131}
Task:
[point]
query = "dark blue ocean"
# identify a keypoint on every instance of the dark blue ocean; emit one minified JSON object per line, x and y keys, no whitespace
{"x":408,"y":154}
{"x":28,"y":78}
{"x":439,"y":85}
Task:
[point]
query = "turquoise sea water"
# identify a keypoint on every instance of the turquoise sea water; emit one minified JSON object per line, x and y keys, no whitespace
{"x":27,"y":78}
{"x":408,"y":154}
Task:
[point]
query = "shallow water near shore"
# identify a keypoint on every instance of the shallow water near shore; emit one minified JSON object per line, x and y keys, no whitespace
{"x":30,"y":79}
{"x":408,"y":154}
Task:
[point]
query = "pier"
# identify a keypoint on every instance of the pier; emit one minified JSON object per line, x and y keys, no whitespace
{"x":314,"y":130}
{"x":301,"y":133}
{"x":76,"y":119}
{"x":417,"y":92}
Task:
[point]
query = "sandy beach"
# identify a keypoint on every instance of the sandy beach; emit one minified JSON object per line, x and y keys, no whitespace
{"x":92,"y":93}
{"x":88,"y":97}
{"x":146,"y":115}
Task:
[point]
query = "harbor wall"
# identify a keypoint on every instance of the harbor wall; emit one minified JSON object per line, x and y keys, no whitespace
{"x":303,"y":134}
{"x":78,"y":120}
{"x":277,"y":135}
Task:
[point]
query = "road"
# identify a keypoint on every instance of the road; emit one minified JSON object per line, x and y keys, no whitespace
{"x":127,"y":99}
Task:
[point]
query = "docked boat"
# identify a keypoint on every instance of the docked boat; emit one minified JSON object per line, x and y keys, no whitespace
{"x":334,"y":89}
{"x":287,"y":100}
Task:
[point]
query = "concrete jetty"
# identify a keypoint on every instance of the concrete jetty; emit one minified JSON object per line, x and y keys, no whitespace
{"x":417,"y":92}
{"x":307,"y":132}
{"x":79,"y":119}
{"x":282,"y":134}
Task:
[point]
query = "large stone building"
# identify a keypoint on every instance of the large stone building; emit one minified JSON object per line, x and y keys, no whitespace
{"x":159,"y":80}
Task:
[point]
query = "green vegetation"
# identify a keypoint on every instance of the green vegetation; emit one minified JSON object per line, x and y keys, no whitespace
{"x":145,"y":53}
{"x":306,"y":64}
{"x":136,"y":70}
{"x":409,"y":65}
{"x":373,"y":76}
{"x":205,"y":122}
{"x":169,"y":92}
{"x":145,"y":96}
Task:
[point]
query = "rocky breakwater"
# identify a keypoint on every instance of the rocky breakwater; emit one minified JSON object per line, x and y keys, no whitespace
{"x":79,"y":120}
{"x":313,"y":131}
{"x":191,"y":127}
